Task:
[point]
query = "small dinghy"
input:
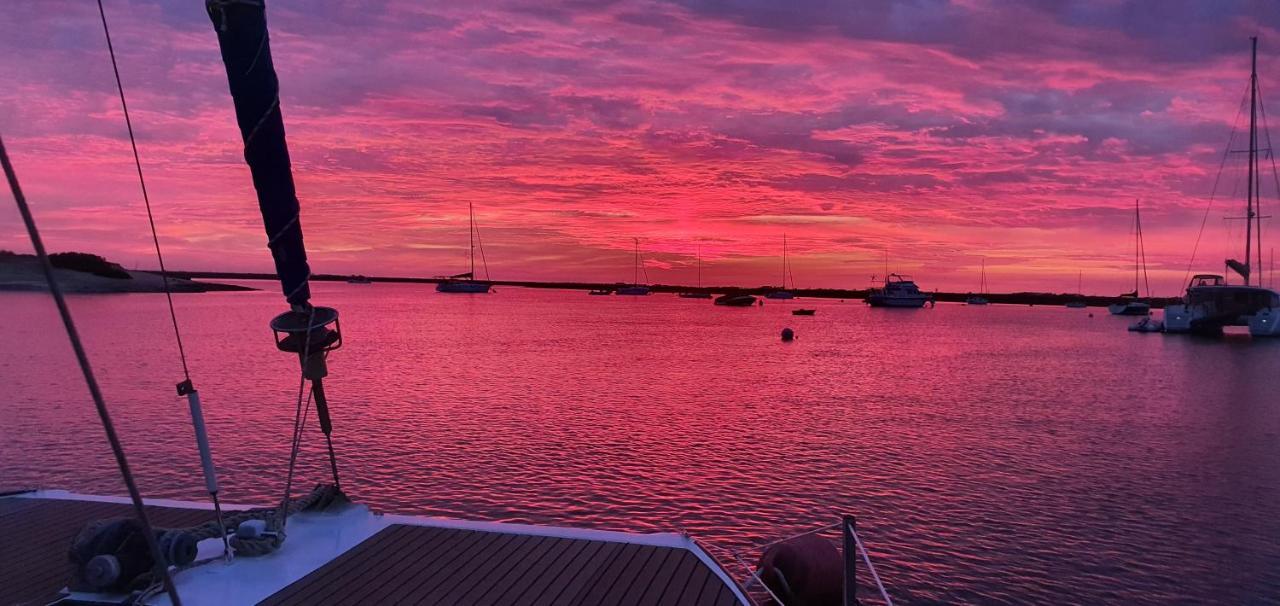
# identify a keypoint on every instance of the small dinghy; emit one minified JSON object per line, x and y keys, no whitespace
{"x":1147,"y":324}
{"x":803,"y":312}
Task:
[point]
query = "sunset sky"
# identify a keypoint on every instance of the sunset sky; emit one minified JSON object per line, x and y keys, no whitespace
{"x":942,"y":132}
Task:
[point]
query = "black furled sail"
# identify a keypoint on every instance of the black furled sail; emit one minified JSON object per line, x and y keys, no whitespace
{"x":246,"y":50}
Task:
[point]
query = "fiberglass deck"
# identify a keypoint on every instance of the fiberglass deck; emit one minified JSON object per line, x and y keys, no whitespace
{"x":400,"y":560}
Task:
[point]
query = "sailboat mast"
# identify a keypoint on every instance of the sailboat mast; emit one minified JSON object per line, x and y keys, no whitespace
{"x":982,"y":278}
{"x":1253,"y":158}
{"x":471,"y":233}
{"x":1137,"y":237}
{"x":635,"y":269}
{"x":784,"y":261}
{"x":699,"y":266}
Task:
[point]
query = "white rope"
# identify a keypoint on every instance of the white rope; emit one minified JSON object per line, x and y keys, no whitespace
{"x":866,"y":558}
{"x":751,"y":571}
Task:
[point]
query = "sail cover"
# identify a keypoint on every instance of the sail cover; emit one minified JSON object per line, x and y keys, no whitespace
{"x":462,"y":276}
{"x":246,"y":51}
{"x":1239,"y":268}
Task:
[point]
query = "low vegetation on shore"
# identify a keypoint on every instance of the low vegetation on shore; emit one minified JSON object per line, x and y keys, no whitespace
{"x":87,"y":273}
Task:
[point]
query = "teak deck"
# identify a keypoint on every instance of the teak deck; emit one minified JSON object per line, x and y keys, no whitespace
{"x":431,"y":565}
{"x":408,"y":561}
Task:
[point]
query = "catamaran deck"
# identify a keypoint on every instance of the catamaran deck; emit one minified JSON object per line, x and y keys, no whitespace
{"x":357,"y":557}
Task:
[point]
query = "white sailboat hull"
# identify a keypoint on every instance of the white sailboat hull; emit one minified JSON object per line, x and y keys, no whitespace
{"x":1132,"y":308}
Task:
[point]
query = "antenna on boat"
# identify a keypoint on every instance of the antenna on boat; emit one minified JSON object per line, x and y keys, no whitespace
{"x":308,"y":331}
{"x":186,"y":387}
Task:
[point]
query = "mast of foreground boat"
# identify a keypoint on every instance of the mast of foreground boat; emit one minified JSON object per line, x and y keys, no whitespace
{"x":635,"y":268}
{"x":310,"y":332}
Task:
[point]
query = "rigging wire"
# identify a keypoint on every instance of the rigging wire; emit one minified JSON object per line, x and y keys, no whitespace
{"x":299,"y":420}
{"x":484,"y":262}
{"x":1142,"y":252}
{"x":146,"y":199}
{"x":1275,"y":175}
{"x":186,"y":387}
{"x":161,"y":569}
{"x":1213,"y":192}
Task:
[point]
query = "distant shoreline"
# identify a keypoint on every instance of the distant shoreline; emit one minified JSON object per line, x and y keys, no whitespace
{"x":1016,"y":298}
{"x":22,"y":273}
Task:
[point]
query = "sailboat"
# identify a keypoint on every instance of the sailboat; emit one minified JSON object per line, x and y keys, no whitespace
{"x":636,"y":287}
{"x":1134,"y":306}
{"x":466,"y":282}
{"x":783,"y":293}
{"x":1211,"y":302}
{"x":1078,"y":303}
{"x":979,"y":299}
{"x":699,"y":294}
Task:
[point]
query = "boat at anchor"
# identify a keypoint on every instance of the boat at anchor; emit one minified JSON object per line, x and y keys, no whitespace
{"x":898,"y":291}
{"x":636,"y":288}
{"x":782,"y":293}
{"x":465,"y":282}
{"x":1131,"y":305}
{"x":1211,"y":302}
{"x":980,"y":298}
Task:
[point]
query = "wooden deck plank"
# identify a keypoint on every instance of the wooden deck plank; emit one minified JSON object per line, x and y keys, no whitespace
{"x":652,"y":594}
{"x":627,"y":591}
{"x":339,"y":570}
{"x":421,"y":578}
{"x":468,"y":588}
{"x":456,"y":571}
{"x":593,"y":588}
{"x":710,"y":591}
{"x":395,"y":573}
{"x":406,"y":551}
{"x":539,"y":557}
{"x":726,"y":596}
{"x":578,"y":554}
{"x":679,"y":579}
{"x":693,"y":587}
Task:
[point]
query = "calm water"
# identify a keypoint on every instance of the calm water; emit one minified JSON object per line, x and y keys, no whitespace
{"x":995,"y":455}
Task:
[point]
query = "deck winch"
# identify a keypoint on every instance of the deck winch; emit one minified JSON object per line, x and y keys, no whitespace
{"x":112,"y":555}
{"x":311,"y":333}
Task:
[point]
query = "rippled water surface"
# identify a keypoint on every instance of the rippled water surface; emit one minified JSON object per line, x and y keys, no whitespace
{"x":996,"y":455}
